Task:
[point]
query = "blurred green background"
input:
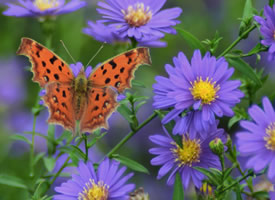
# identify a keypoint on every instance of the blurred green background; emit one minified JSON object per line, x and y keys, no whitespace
{"x":17,"y":96}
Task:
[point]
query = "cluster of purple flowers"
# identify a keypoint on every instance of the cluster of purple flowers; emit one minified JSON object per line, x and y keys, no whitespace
{"x":194,"y":95}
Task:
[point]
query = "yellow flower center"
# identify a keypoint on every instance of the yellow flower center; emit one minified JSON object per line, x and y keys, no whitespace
{"x":46,"y":4}
{"x":274,"y":35}
{"x":94,"y":191}
{"x":137,"y":15}
{"x":270,"y":138}
{"x":206,"y":91}
{"x":189,"y":153}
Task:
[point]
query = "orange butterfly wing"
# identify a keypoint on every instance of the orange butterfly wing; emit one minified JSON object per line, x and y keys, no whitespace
{"x":100,"y":105}
{"x":59,"y":99}
{"x":46,"y":66}
{"x":119,"y":71}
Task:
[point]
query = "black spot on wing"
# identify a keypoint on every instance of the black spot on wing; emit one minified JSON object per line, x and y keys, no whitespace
{"x":122,"y":70}
{"x":56,"y":77}
{"x":107,"y":80}
{"x":43,"y":64}
{"x":97,"y":97}
{"x":53,"y":59}
{"x":64,"y":93}
{"x":113,"y":64}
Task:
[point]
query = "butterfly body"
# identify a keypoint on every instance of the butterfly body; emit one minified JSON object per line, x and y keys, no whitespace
{"x":87,"y":100}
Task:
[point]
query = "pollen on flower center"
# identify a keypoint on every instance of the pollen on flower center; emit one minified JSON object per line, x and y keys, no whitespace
{"x":94,"y":191}
{"x":46,"y":4}
{"x":189,"y":153}
{"x":137,"y":15}
{"x":206,"y":91}
{"x":270,"y":138}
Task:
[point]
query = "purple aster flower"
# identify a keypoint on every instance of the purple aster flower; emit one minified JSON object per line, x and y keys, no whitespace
{"x":40,"y":8}
{"x":103,"y":33}
{"x":257,"y":142}
{"x":198,"y":91}
{"x":139,"y":19}
{"x":268,"y":29}
{"x":77,"y":67}
{"x":107,"y":183}
{"x":195,"y":151}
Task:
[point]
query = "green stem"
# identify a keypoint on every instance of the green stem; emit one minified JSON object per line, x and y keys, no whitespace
{"x":250,"y":173}
{"x":131,"y":134}
{"x":32,"y":147}
{"x":86,"y":147}
{"x":237,"y":40}
{"x":63,"y":166}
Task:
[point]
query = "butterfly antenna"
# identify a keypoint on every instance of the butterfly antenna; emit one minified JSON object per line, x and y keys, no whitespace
{"x":67,"y":51}
{"x":100,"y":48}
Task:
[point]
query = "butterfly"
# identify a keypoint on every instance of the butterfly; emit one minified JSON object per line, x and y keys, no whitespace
{"x":81,"y":103}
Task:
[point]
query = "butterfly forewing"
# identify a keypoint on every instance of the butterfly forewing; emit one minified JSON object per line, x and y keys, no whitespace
{"x":46,"y":66}
{"x":119,"y":71}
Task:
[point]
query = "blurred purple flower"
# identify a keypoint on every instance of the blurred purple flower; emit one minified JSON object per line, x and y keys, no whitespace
{"x":103,"y":33}
{"x":106,"y":183}
{"x":257,"y":142}
{"x":12,"y":88}
{"x":139,"y":19}
{"x":195,"y":151}
{"x":200,"y":89}
{"x":268,"y":29}
{"x":39,"y":8}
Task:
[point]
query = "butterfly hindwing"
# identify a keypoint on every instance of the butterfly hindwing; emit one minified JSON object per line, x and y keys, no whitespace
{"x":46,"y":66}
{"x":101,"y":103}
{"x":59,"y":99}
{"x":119,"y":71}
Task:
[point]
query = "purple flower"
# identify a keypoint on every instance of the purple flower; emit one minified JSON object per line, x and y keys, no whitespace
{"x":12,"y":88}
{"x":103,"y":33}
{"x":39,"y":8}
{"x":257,"y":142}
{"x":139,"y":19}
{"x":197,"y":91}
{"x":107,"y":183}
{"x":195,"y":151}
{"x":77,"y":67}
{"x":268,"y":29}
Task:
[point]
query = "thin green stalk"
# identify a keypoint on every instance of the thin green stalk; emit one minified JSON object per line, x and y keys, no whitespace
{"x":131,"y":134}
{"x":86,"y":147}
{"x":63,"y":166}
{"x":32,"y":147}
{"x":250,"y":173}
{"x":237,"y":40}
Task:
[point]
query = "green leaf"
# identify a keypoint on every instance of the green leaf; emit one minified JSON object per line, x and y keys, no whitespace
{"x":49,"y":163}
{"x":38,"y":157}
{"x":12,"y":181}
{"x":271,"y":3}
{"x":20,"y":138}
{"x":214,"y":178}
{"x":130,"y":163}
{"x":245,"y":69}
{"x":238,"y":192}
{"x":51,"y":139}
{"x":247,"y":15}
{"x":138,"y":84}
{"x":78,"y":152}
{"x":125,"y":112}
{"x":95,"y":139}
{"x":191,"y":40}
{"x":227,"y":172}
{"x":178,"y":193}
{"x":139,"y":105}
{"x":260,"y":195}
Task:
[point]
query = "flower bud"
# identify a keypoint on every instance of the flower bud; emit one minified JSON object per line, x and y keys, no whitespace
{"x":217,"y":146}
